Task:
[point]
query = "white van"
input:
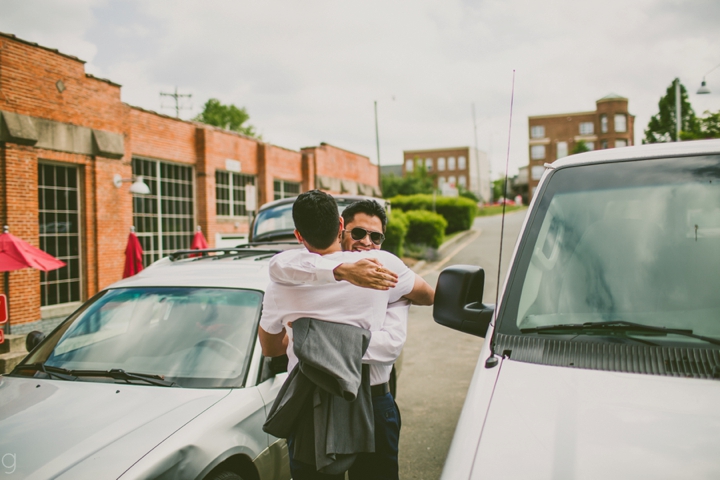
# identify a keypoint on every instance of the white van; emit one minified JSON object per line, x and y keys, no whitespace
{"x":602,"y":359}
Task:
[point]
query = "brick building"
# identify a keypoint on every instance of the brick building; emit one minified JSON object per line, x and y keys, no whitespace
{"x":463,"y":167}
{"x":65,"y":135}
{"x":555,"y":136}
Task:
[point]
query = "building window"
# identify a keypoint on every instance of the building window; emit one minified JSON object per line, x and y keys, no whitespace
{"x":428,"y":164}
{"x":441,"y":182}
{"x":409,"y":165}
{"x":419,"y":162}
{"x":537,"y":131}
{"x":603,"y":124}
{"x":165,"y":219}
{"x":562,"y":150}
{"x":462,"y":164}
{"x":620,"y":143}
{"x":451,"y":181}
{"x":620,"y":122}
{"x":285,"y":189}
{"x":230,"y":193}
{"x":441,"y":164}
{"x":536,"y":172}
{"x":462,"y":181}
{"x":537,"y":152}
{"x":590,"y":145}
{"x":59,"y":219}
{"x":587,"y":128}
{"x":604,"y":144}
{"x":451,"y":163}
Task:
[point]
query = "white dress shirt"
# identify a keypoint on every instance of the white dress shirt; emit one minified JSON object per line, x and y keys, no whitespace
{"x":303,"y":285}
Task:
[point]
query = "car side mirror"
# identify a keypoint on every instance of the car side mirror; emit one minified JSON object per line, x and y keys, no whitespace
{"x":272,"y":366}
{"x":33,"y":339}
{"x":458,"y":300}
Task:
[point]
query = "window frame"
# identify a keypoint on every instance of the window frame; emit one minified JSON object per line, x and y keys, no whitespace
{"x":231,"y":202}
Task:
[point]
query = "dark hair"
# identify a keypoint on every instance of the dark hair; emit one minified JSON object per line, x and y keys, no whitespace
{"x":368,"y":207}
{"x":316,"y":218}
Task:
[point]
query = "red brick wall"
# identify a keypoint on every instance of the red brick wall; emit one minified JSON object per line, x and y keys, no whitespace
{"x":277,"y":163}
{"x":220,"y":146}
{"x":335,"y":162}
{"x":160,"y":137}
{"x":22,"y":207}
{"x":29,"y":74}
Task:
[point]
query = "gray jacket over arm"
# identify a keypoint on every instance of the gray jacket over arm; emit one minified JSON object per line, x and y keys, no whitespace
{"x":326,"y":401}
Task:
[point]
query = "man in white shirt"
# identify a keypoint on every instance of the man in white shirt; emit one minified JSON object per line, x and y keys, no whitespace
{"x":305,"y":285}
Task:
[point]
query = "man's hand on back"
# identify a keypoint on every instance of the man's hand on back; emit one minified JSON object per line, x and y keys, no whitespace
{"x":367,"y":273}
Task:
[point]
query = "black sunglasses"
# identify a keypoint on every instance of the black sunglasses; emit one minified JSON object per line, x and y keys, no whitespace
{"x":358,"y":233}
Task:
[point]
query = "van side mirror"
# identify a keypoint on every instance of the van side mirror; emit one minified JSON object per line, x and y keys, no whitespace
{"x":458,"y":300}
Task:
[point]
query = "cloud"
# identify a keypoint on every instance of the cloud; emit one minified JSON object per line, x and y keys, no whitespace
{"x":310,"y":71}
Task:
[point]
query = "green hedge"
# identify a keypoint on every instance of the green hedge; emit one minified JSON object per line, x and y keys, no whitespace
{"x":395,"y":233}
{"x":458,"y":211}
{"x":426,"y":228}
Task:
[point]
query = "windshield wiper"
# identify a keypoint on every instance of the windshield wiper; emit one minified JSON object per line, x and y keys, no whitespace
{"x":617,"y":326}
{"x":50,"y":371}
{"x":120,"y":374}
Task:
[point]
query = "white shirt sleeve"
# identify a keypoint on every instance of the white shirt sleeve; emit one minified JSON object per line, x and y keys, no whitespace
{"x":387,"y":343}
{"x":301,"y":267}
{"x":271,"y":319}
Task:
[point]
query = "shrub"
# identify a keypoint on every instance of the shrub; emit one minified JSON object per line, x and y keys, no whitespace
{"x":395,"y":233}
{"x":425,"y":228}
{"x":458,"y":211}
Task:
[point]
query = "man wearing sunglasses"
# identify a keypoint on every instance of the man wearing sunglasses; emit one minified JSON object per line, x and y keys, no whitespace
{"x":366,"y":221}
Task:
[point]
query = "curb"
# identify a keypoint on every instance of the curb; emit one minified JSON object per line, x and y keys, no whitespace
{"x":419,"y":266}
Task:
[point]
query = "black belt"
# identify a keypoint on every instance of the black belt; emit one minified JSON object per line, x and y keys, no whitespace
{"x":380,"y":390}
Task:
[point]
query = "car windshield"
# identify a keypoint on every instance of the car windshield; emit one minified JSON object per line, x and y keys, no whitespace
{"x":279,"y":218}
{"x":194,"y":337}
{"x":623,"y":242}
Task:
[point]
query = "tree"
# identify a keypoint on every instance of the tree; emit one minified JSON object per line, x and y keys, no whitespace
{"x":662,"y":125}
{"x":417,"y":181}
{"x":580,"y":147}
{"x":708,"y":127}
{"x":228,"y":117}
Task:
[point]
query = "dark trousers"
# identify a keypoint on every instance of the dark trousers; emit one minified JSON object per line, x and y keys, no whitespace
{"x":380,"y":465}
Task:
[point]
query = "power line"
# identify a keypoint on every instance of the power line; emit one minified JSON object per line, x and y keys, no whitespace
{"x":176,"y":96}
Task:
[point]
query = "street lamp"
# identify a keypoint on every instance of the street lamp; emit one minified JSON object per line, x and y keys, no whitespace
{"x":703,"y":86}
{"x":138,"y":186}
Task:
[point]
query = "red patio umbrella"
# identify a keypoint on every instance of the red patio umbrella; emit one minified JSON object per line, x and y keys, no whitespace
{"x":16,"y":254}
{"x":133,"y":255}
{"x":198,"y":241}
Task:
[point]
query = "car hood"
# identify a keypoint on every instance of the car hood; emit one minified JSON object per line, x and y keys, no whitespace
{"x":50,"y":426}
{"x":559,"y":422}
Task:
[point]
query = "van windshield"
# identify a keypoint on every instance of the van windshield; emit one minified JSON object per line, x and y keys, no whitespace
{"x":623,"y":242}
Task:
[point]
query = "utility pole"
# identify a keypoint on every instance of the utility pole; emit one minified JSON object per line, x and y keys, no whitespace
{"x":176,"y":96}
{"x":377,"y":143}
{"x":678,"y":110}
{"x":477,"y":153}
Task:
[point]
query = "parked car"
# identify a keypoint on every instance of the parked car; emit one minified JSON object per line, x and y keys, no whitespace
{"x":159,"y":376}
{"x":274,"y":222}
{"x":602,"y":358}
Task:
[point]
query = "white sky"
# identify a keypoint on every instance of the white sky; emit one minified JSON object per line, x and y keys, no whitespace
{"x":309,"y":71}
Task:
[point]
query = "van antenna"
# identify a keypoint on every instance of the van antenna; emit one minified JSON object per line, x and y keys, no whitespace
{"x":504,"y":199}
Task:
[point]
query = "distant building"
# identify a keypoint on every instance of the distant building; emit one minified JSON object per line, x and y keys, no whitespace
{"x":460,"y":167}
{"x":556,"y":136}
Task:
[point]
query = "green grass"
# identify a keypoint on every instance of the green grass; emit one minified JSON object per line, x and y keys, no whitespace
{"x":497,"y":210}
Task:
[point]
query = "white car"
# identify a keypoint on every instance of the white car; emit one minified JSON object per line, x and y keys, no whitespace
{"x":159,"y":376}
{"x":602,"y":359}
